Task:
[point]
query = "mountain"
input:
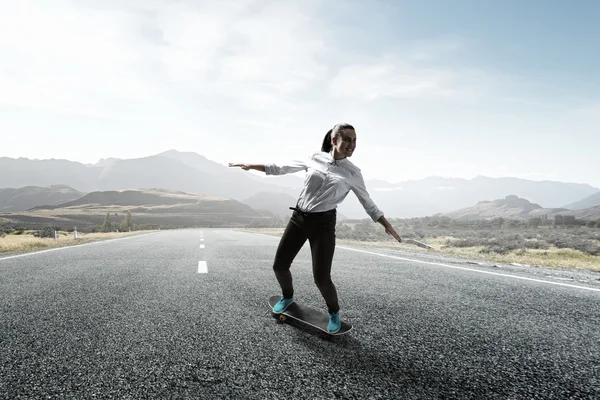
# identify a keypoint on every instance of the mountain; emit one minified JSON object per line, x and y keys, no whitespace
{"x":590,"y":213}
{"x":448,"y":194}
{"x":514,"y":207}
{"x":590,"y":201}
{"x":166,"y":171}
{"x":24,"y":198}
{"x":277,"y":203}
{"x":511,"y":207}
{"x":147,"y":206}
{"x":193,"y":173}
{"x":195,"y":160}
{"x":19,"y":172}
{"x":394,"y":202}
{"x":105,"y":162}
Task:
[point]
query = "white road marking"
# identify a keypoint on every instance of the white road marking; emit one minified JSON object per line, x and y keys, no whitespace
{"x":75,"y":245}
{"x":450,"y":266}
{"x":469,"y":269}
{"x":202,"y":267}
{"x":201,"y":246}
{"x":202,"y":240}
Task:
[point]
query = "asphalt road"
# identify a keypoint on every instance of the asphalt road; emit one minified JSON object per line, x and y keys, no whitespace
{"x":184,"y":314}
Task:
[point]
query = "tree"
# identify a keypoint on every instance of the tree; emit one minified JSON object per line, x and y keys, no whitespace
{"x":106,"y":226}
{"x":535,"y":222}
{"x":126,"y":224}
{"x":558,"y":220}
{"x":499,"y":221}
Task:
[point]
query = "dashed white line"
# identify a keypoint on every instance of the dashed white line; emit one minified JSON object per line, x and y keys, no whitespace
{"x":201,"y":246}
{"x":202,"y":267}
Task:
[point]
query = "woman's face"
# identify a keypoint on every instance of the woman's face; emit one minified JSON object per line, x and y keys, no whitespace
{"x":346,"y":143}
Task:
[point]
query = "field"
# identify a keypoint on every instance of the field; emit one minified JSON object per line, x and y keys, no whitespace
{"x":24,"y":242}
{"x":545,"y":246}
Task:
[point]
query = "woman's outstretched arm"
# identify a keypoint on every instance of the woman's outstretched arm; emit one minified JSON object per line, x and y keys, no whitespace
{"x":246,"y":167}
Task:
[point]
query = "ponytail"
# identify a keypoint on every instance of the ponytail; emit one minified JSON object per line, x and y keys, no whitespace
{"x":326,"y":146}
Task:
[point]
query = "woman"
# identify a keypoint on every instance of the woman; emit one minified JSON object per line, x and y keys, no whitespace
{"x":329,"y":178}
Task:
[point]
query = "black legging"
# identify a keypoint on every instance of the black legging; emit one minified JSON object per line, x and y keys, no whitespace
{"x":319,"y":229}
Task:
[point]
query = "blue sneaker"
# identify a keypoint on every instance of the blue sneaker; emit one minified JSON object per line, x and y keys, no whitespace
{"x":282,"y":305}
{"x":334,"y":323}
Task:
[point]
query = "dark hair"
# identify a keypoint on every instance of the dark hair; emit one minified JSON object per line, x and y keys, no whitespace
{"x":336,"y":130}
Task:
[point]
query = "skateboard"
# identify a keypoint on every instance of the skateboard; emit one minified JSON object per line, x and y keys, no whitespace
{"x":416,"y":242}
{"x":309,"y":316}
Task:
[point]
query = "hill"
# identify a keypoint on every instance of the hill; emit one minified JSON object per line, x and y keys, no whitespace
{"x":511,"y":207}
{"x":24,"y":198}
{"x":590,"y":201}
{"x":514,"y":207}
{"x":147,"y":206}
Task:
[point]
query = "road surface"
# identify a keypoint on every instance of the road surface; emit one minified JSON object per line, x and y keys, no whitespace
{"x":183,"y":314}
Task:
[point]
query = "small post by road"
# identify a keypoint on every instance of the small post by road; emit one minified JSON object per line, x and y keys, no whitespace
{"x":75,"y":233}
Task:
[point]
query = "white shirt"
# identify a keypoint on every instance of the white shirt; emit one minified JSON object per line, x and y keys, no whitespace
{"x":327,"y":183}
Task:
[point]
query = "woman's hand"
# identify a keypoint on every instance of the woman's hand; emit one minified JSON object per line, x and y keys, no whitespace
{"x":245,"y":167}
{"x":389,"y":229}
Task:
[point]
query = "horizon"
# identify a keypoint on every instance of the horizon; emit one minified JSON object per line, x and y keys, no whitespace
{"x":433,"y":90}
{"x":262,"y":175}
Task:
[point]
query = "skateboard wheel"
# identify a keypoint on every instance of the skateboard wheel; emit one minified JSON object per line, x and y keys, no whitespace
{"x":282,"y":317}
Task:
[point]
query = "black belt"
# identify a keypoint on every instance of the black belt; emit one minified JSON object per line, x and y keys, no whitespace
{"x":328,"y":212}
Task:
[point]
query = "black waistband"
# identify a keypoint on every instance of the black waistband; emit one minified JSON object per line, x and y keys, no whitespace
{"x":328,"y":212}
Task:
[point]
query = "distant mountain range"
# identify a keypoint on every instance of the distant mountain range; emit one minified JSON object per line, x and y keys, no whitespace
{"x":513,"y":207}
{"x":147,"y":206}
{"x":590,"y":201}
{"x":195,"y":174}
{"x":24,"y":198}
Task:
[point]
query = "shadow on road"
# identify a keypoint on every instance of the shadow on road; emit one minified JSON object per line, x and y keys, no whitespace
{"x":355,"y":357}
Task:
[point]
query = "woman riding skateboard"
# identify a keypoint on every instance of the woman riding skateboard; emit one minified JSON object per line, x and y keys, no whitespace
{"x":330,"y":176}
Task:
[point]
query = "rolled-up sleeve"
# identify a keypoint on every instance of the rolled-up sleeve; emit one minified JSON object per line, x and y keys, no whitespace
{"x":288,"y":168}
{"x":360,"y":190}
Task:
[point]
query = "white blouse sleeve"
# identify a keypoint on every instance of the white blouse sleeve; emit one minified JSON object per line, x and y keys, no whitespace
{"x":360,"y":190}
{"x":287,"y":168}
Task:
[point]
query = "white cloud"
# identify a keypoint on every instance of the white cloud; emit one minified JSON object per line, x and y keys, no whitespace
{"x":96,"y":58}
{"x":391,"y":79}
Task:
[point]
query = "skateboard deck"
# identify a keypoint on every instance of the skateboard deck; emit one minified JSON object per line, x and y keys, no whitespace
{"x":416,"y":242}
{"x":309,"y":316}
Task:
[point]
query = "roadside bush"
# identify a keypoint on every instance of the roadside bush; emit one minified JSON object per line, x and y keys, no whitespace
{"x":499,"y":249}
{"x":494,"y":236}
{"x":536,"y":244}
{"x":469,"y":242}
{"x":588,"y":247}
{"x":46,"y":232}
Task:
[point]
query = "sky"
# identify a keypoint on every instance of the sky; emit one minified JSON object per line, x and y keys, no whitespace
{"x":433,"y":88}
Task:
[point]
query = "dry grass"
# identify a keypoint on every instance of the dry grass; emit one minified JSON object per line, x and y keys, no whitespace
{"x":27,"y":242}
{"x":552,"y":257}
